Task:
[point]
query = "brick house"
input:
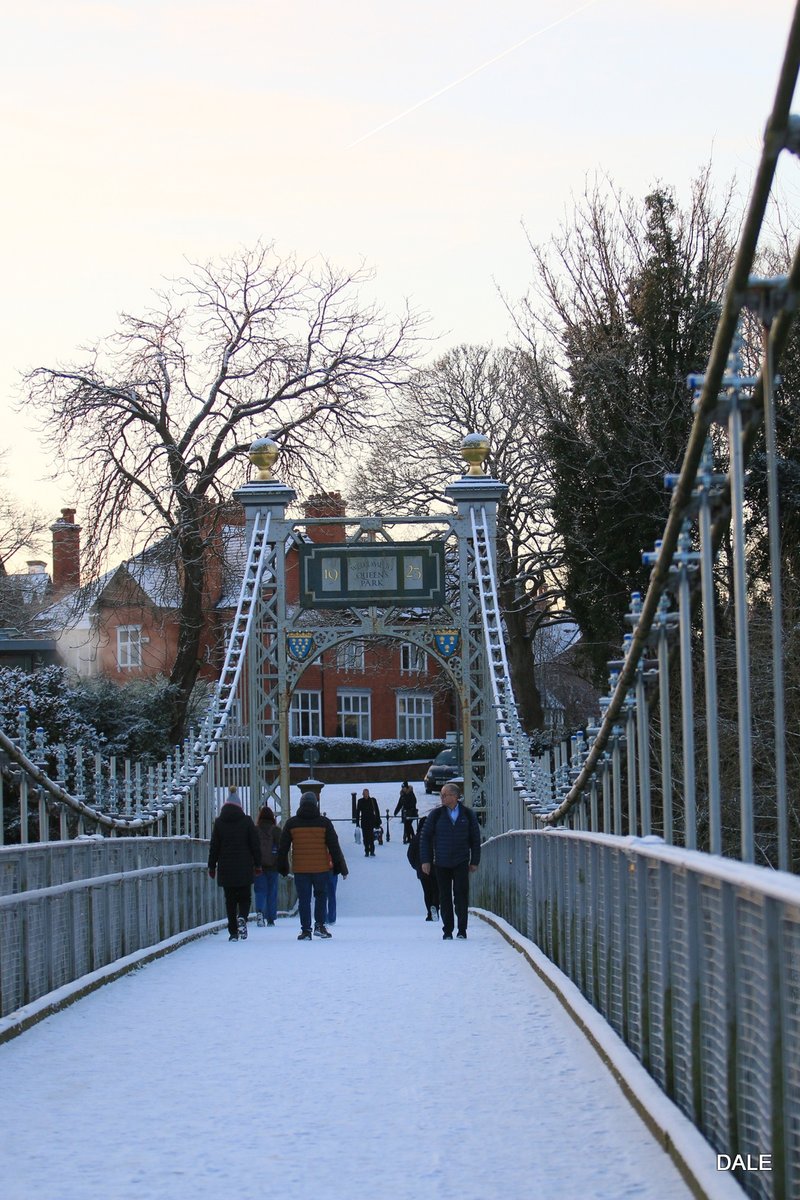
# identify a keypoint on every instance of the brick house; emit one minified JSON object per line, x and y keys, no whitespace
{"x":124,"y":626}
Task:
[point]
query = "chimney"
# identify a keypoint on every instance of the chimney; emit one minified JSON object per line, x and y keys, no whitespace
{"x":36,"y":566}
{"x":66,"y":551}
{"x":326,"y":504}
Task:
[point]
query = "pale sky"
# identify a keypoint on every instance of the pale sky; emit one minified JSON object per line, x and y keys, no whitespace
{"x":139,"y":134}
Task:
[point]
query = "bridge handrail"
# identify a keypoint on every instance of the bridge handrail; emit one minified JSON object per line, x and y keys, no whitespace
{"x":692,"y":959}
{"x":33,"y":895}
{"x":778,"y":885}
{"x":33,"y":865}
{"x":212,"y":729}
{"x":53,"y":936}
{"x":781,"y":129}
{"x":509,"y":727}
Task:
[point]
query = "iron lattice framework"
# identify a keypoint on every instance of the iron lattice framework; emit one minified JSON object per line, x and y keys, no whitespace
{"x":273,"y":674}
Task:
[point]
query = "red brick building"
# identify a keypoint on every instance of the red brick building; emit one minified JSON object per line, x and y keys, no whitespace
{"x":125,"y":626}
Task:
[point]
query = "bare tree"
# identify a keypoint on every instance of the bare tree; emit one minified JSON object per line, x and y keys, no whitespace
{"x":157,"y":420}
{"x":497,"y":392}
{"x":21,"y":528}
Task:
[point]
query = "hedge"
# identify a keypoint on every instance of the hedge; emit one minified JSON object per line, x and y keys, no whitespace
{"x":353,"y":750}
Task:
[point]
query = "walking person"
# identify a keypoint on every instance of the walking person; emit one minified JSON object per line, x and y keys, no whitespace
{"x":234,"y":857}
{"x":312,"y":841}
{"x":368,"y":816}
{"x":450,"y":844}
{"x":266,"y":884}
{"x":430,"y":887}
{"x":407,"y":808}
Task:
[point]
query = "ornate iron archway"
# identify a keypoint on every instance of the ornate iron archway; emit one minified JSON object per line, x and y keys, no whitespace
{"x":285,"y":638}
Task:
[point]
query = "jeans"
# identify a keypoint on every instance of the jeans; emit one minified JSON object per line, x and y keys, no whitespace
{"x":304,"y":884}
{"x":333,"y":879}
{"x":453,"y":890}
{"x":266,"y":889}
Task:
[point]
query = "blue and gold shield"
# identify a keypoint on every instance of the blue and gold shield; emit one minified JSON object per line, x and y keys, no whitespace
{"x":300,"y":645}
{"x":446,"y":641}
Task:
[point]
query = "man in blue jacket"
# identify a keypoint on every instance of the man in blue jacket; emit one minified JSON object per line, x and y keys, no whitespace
{"x":451,"y":844}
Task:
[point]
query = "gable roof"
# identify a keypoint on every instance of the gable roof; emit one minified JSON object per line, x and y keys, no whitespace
{"x":153,"y":572}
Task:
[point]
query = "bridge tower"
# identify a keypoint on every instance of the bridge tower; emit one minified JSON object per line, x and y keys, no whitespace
{"x":429,"y":592}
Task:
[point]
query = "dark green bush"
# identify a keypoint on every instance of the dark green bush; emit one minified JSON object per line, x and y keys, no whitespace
{"x":352,"y":750}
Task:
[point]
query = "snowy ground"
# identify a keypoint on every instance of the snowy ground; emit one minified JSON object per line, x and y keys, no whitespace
{"x":384,"y":1064}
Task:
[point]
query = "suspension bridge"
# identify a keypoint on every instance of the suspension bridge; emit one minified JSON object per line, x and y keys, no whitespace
{"x":669,"y":929}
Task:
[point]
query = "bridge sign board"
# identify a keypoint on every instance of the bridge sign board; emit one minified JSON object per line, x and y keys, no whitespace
{"x":355,"y":575}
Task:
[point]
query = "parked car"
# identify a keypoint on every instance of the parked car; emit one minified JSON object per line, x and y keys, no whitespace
{"x":443,"y":768}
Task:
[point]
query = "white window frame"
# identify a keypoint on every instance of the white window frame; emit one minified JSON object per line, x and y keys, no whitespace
{"x":354,"y":707}
{"x":305,"y":714}
{"x":415,"y":725}
{"x":350,"y":655}
{"x":413,"y":659}
{"x":129,"y":649}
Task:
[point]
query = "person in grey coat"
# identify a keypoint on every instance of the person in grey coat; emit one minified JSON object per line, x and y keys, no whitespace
{"x":450,"y":844}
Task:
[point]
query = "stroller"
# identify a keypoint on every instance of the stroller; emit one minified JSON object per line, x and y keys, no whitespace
{"x":379,"y":834}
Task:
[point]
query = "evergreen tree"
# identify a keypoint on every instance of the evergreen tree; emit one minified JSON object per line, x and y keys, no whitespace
{"x":630,"y":305}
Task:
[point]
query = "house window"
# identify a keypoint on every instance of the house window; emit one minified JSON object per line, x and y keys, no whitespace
{"x":350,"y":656}
{"x":412,"y":659}
{"x":129,"y":646}
{"x":353,"y":715}
{"x":305,"y":715}
{"x":414,"y":717}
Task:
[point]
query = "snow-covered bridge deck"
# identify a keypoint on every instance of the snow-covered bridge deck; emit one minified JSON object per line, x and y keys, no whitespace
{"x":384,"y":1063}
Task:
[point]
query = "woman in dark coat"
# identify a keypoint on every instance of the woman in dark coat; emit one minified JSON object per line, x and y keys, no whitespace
{"x":266,"y":884}
{"x":234,"y":857}
{"x":430,"y":886}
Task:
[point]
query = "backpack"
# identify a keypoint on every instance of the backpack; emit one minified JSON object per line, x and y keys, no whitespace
{"x":412,"y":853}
{"x":269,"y":839}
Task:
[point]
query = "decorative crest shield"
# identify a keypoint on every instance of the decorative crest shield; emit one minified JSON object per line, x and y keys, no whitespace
{"x":300,"y":645}
{"x":446,"y":641}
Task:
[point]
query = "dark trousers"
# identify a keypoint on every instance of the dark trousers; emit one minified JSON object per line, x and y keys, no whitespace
{"x":304,"y":884}
{"x":237,"y":904}
{"x":453,"y":891}
{"x":430,"y":889}
{"x":408,"y":830}
{"x":369,"y":838}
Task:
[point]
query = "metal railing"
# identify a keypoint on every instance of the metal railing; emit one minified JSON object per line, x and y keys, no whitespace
{"x":693,"y":960}
{"x":70,"y":909}
{"x":46,"y":788}
{"x":654,"y":761}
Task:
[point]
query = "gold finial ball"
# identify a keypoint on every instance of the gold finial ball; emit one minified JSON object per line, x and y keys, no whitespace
{"x":263,"y":454}
{"x":474,"y":451}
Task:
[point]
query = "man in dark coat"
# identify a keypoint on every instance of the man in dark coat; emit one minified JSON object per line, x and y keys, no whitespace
{"x":368,"y":816}
{"x":450,"y":843}
{"x":234,"y":857}
{"x":315,"y":850}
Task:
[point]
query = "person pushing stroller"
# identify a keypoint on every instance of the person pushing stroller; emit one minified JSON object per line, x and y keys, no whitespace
{"x":407,"y":808}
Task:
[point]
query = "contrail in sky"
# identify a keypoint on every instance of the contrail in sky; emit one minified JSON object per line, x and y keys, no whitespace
{"x":475,"y":70}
